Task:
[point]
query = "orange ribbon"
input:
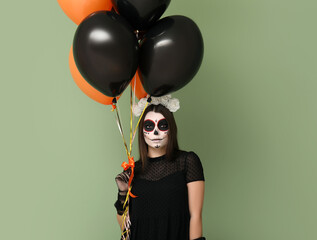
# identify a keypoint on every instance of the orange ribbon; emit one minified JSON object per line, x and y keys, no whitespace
{"x":113,"y":107}
{"x":126,"y":166}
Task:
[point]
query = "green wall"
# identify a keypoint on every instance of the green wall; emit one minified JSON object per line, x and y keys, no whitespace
{"x":250,"y":114}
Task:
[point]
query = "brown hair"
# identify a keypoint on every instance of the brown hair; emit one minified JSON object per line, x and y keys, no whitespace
{"x":172,"y":144}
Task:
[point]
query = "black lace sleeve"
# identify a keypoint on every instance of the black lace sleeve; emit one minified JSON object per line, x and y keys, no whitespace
{"x":194,"y":168}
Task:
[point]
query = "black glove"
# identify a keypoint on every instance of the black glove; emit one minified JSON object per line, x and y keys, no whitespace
{"x":122,"y":181}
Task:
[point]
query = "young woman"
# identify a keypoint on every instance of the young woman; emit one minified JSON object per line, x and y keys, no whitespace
{"x":168,"y":183}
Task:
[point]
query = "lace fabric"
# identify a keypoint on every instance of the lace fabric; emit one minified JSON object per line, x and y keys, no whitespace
{"x":158,"y":168}
{"x":161,"y":209}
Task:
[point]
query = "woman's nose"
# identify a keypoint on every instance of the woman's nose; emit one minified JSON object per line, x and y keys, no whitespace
{"x":155,"y":132}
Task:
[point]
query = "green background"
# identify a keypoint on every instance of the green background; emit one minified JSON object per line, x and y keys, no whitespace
{"x":250,"y":114}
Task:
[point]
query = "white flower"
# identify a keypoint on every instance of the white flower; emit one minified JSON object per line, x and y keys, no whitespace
{"x":174,"y":105}
{"x":136,"y":110}
{"x":155,"y":101}
{"x":165,"y":100}
{"x":142,"y":102}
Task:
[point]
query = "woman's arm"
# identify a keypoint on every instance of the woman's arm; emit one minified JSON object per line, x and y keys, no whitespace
{"x":196,"y":191}
{"x":120,"y":219}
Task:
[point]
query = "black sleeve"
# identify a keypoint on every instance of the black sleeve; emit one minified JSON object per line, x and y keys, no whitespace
{"x":194,"y":169}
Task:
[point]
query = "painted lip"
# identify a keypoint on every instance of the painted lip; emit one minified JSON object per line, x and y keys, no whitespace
{"x":157,"y":139}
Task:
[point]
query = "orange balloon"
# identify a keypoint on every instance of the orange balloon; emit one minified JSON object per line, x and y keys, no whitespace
{"x":139,"y":90}
{"x":84,"y":85}
{"x":77,"y":10}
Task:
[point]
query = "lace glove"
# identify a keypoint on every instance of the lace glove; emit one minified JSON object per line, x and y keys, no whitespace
{"x":122,"y":181}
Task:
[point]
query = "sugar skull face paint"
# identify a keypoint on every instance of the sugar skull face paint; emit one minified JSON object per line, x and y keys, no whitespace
{"x":155,"y":130}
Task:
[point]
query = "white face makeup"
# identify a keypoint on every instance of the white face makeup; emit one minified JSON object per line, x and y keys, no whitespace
{"x":155,"y":130}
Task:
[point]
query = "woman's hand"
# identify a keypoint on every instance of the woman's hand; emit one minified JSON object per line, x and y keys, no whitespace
{"x":122,"y":181}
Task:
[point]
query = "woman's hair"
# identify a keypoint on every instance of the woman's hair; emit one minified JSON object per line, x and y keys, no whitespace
{"x":172,"y":144}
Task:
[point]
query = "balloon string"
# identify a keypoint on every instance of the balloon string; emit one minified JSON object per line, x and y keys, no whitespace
{"x":115,"y":108}
{"x":125,"y":222}
{"x":139,"y":120}
{"x":134,"y":86}
{"x":125,"y":144}
{"x":132,"y":116}
{"x":124,"y":226}
{"x":131,"y":121}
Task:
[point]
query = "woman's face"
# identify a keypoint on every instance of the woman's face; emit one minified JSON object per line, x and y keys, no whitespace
{"x":155,"y":130}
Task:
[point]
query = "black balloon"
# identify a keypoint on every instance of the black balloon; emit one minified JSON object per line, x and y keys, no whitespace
{"x":141,"y":13}
{"x":171,"y":53}
{"x":105,"y":50}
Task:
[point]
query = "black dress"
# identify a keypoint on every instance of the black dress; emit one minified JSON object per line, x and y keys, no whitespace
{"x":161,"y":212}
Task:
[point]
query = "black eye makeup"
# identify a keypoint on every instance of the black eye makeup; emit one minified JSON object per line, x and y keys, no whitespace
{"x":149,"y":125}
{"x":163,"y":125}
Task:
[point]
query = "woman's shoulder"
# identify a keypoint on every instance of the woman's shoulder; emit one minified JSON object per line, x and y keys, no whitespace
{"x":193,"y":167}
{"x":189,"y":158}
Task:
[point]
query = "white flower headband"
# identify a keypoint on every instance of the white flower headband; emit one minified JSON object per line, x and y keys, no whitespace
{"x":172,"y":104}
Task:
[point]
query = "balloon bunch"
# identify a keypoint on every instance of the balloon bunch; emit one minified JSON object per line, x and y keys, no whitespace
{"x":122,"y":42}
